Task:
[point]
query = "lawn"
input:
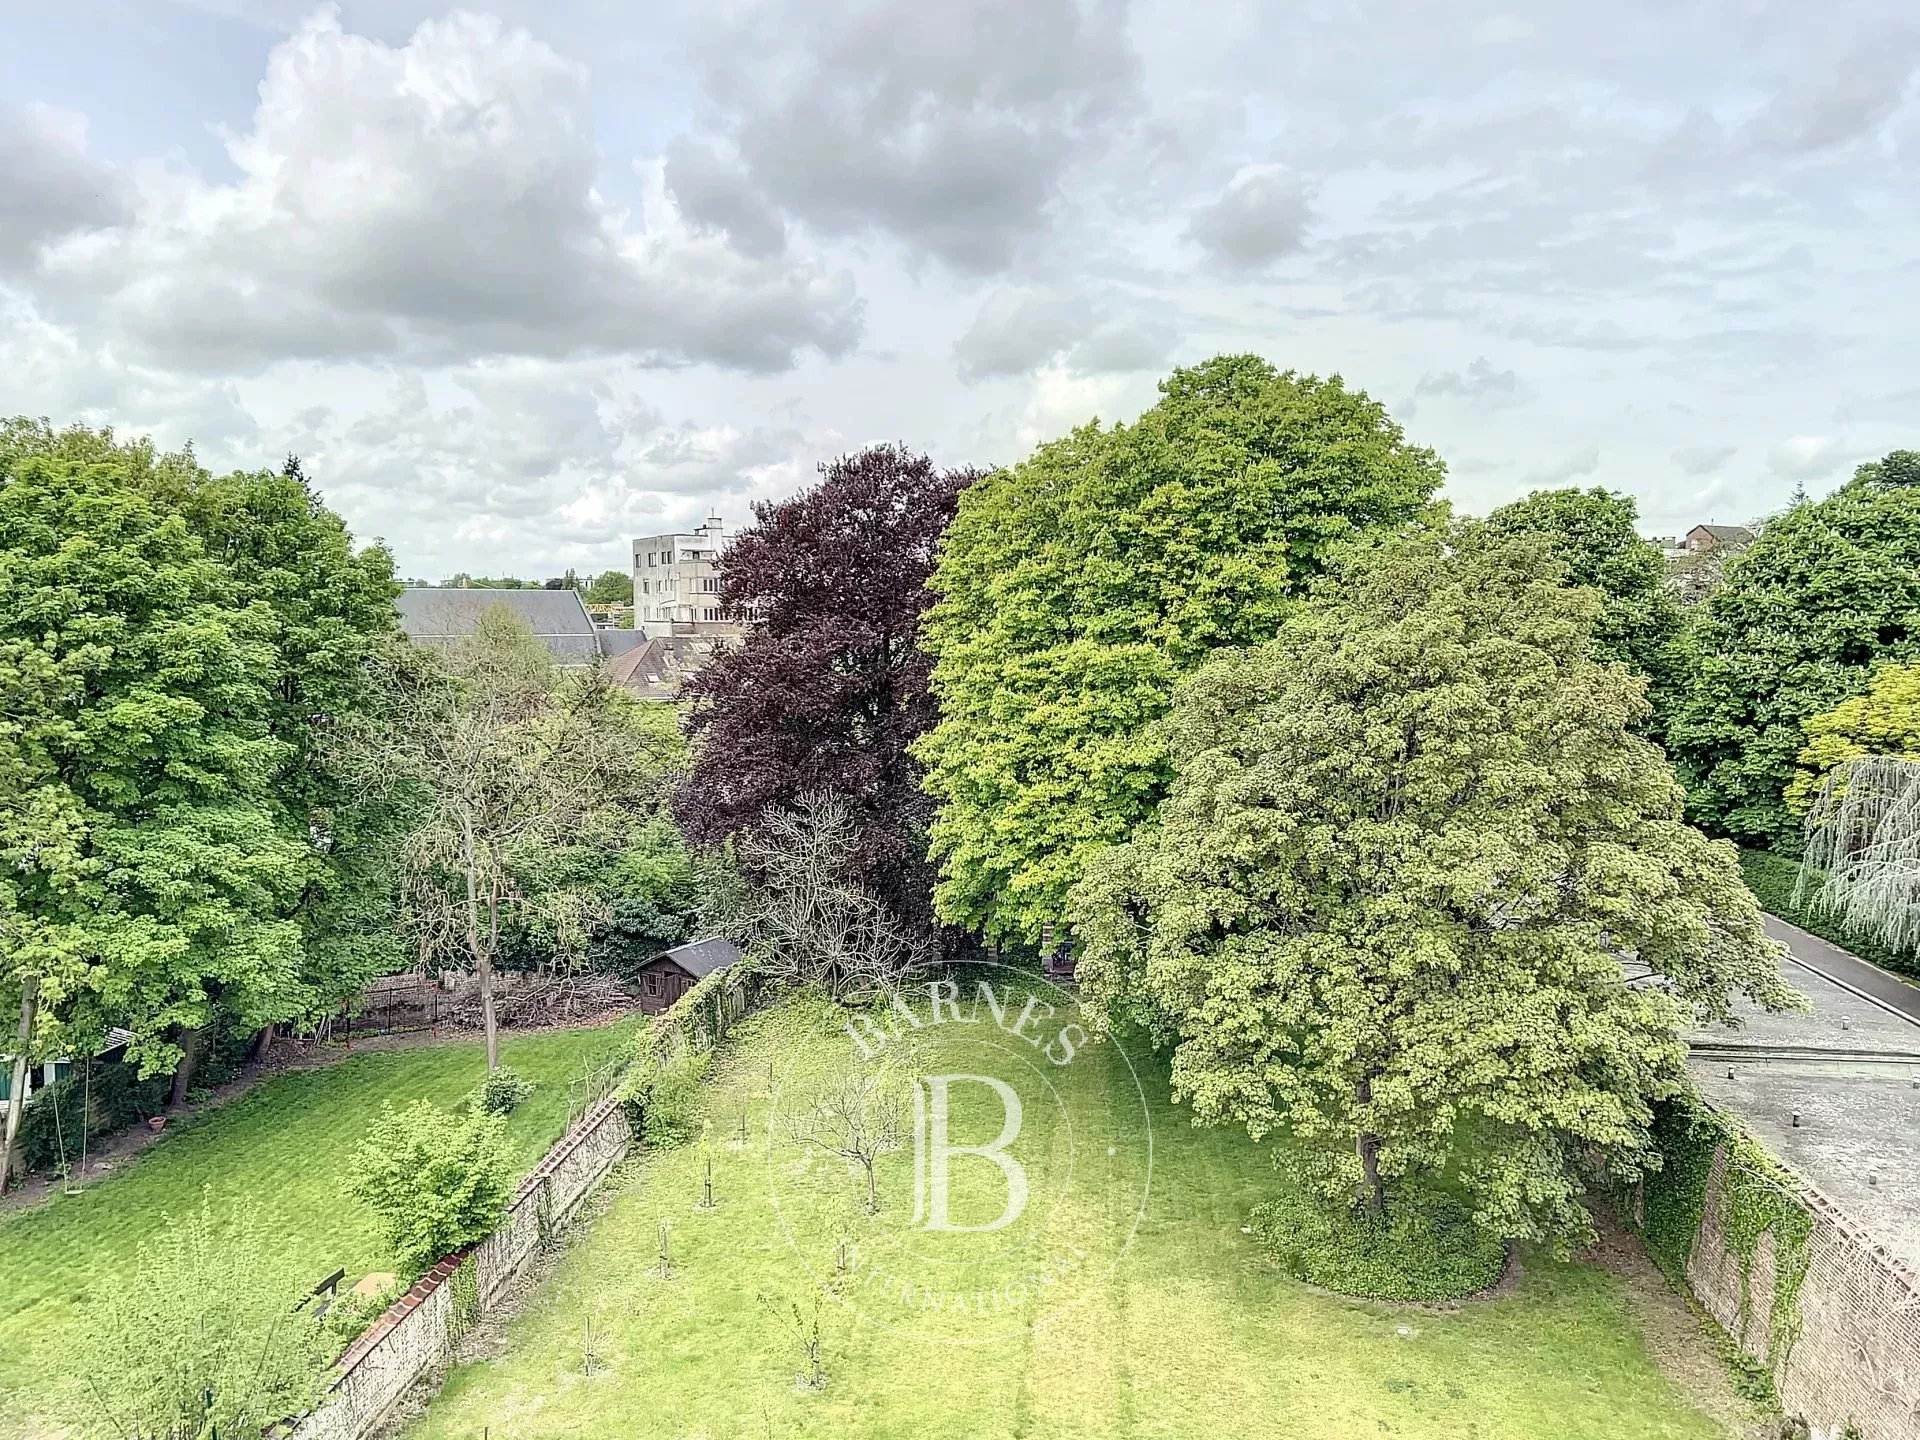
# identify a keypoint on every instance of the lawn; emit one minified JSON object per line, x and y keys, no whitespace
{"x":280,"y":1151}
{"x":1167,"y":1319}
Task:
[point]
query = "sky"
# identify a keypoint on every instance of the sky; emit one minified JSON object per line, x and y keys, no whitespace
{"x":523,"y":282}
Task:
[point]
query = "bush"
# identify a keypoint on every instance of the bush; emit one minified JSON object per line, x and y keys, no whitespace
{"x":665,"y":1096}
{"x":503,"y":1091}
{"x":438,"y":1181}
{"x":199,"y":1335}
{"x":1428,"y":1247}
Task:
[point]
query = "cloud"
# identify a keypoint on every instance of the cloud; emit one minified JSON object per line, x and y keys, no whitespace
{"x":1018,"y":330}
{"x":1480,"y":385}
{"x":431,"y":201}
{"x":1581,"y":462}
{"x":49,"y":185}
{"x":715,"y":193}
{"x":950,"y":127}
{"x":1805,"y":457}
{"x":1834,"y":103}
{"x":1703,"y":459}
{"x":1261,"y":215}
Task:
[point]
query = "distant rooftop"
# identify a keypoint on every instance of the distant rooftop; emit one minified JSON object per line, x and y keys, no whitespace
{"x":558,"y":618}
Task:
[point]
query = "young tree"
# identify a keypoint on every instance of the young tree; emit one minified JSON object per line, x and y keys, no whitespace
{"x":203,"y":1333}
{"x":438,"y":1181}
{"x":1884,"y":721}
{"x":1827,"y":591}
{"x":829,"y":687}
{"x":504,"y":759}
{"x":1077,"y":587}
{"x":860,"y":1117}
{"x":1421,"y":897}
{"x":1641,"y":625}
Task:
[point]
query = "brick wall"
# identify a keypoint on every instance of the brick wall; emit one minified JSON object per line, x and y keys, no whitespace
{"x":417,"y":1332}
{"x":1856,"y":1357}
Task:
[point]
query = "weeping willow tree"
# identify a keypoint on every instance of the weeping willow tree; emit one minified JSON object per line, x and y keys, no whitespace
{"x":1862,"y":862}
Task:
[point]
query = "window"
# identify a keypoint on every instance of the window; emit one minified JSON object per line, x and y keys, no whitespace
{"x":653,"y":982}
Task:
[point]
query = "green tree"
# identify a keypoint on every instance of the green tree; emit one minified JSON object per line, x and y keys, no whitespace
{"x":1641,"y":625}
{"x":1421,"y":898}
{"x":149,"y":876}
{"x":1077,"y":587}
{"x":1827,"y":591}
{"x":611,"y":587}
{"x":1884,"y":721}
{"x":438,"y":1181}
{"x":201,"y":1334}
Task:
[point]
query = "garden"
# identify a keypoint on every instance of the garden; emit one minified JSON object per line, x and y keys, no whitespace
{"x":729,"y":1289}
{"x":278,"y":1154}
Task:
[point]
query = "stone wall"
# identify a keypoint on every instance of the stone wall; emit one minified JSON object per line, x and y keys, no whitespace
{"x":417,"y":1332}
{"x":1851,"y":1354}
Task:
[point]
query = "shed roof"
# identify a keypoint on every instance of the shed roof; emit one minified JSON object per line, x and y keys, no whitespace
{"x":700,"y":958}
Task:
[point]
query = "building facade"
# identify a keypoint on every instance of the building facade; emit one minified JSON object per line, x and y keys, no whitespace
{"x":676,"y":582}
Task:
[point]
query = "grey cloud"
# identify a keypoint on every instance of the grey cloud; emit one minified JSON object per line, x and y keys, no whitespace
{"x":49,"y":185}
{"x":1018,"y":331}
{"x":1479,"y":384}
{"x":1581,"y":462}
{"x":1807,"y":457}
{"x":1703,"y":459}
{"x":715,"y":192}
{"x":948,"y":127}
{"x":1838,"y":101}
{"x":430,"y":202}
{"x":1121,"y":346}
{"x":1260,"y":216}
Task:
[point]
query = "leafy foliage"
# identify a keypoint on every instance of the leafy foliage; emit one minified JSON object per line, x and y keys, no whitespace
{"x":610,"y":587}
{"x":829,"y":687}
{"x":1077,"y":587}
{"x":1829,"y":590}
{"x":1884,"y":721}
{"x":664,"y":1090}
{"x":502,"y":1091}
{"x":1784,"y":889}
{"x":1408,"y":846}
{"x":1641,"y":625}
{"x":200,"y":1336}
{"x":438,"y":1181}
{"x":1427,"y":1249}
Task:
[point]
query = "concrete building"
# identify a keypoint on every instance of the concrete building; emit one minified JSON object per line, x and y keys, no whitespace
{"x":676,"y":582}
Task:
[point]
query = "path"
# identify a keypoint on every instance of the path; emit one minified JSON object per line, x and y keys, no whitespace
{"x":1883,"y":988}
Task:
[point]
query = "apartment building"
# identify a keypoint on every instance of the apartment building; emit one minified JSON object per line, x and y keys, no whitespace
{"x":676,"y":582}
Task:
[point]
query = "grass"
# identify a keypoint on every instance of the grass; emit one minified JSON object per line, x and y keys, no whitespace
{"x":1773,"y":879}
{"x":1192,"y":1332}
{"x":280,"y":1151}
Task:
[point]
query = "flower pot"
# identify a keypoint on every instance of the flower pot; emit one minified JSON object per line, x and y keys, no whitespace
{"x":156,"y":1123}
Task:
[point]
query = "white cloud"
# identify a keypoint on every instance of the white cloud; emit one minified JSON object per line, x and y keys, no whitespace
{"x":1260,"y":216}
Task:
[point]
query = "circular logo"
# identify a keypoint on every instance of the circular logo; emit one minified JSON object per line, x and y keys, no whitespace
{"x":964,"y":1163}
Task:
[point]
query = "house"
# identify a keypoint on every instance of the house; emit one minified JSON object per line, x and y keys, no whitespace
{"x":42,"y":1075}
{"x":655,"y":669}
{"x":440,"y":617}
{"x":1712,"y":537}
{"x":676,"y":582}
{"x":671,"y":973}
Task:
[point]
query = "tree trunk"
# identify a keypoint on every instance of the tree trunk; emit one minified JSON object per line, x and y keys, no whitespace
{"x":479,"y":949}
{"x":191,"y":1044}
{"x":1366,"y":1145}
{"x":262,"y":1043}
{"x":29,"y":1008}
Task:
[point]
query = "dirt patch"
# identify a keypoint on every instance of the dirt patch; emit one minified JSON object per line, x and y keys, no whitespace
{"x":1678,"y":1336}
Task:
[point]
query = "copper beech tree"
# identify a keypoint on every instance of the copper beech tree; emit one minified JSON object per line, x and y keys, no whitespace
{"x":829,"y":686}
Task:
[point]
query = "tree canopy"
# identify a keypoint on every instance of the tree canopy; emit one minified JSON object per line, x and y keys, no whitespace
{"x":1593,"y":533}
{"x":1078,"y":586}
{"x":1883,"y":721}
{"x":1828,"y":590}
{"x":829,"y":687}
{"x":1419,"y":895}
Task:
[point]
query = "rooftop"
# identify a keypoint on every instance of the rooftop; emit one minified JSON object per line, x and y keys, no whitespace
{"x":434,"y":616}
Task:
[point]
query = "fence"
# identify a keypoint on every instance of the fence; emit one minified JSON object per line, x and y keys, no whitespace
{"x":419,"y":1330}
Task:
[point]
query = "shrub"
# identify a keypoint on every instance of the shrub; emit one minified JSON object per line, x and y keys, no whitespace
{"x":438,"y":1181}
{"x":1427,"y":1248}
{"x":503,"y":1091}
{"x":200,"y":1335}
{"x":664,"y":1094}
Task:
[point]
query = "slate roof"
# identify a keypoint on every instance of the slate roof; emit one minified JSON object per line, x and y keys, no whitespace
{"x":654,"y":670}
{"x":700,"y":958}
{"x":1724,"y":533}
{"x":434,"y":616}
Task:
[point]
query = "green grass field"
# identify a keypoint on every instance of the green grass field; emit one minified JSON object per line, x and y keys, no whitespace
{"x":1190,"y":1332}
{"x":280,"y":1151}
